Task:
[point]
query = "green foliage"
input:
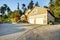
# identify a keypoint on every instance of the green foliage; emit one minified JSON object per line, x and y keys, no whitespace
{"x":19,"y":12}
{"x":4,"y":8}
{"x":30,"y":6}
{"x":55,"y":6}
{"x":18,"y":6}
{"x":1,"y":19}
{"x":10,"y":14}
{"x":45,"y":7}
{"x":37,"y":4}
{"x":24,"y":8}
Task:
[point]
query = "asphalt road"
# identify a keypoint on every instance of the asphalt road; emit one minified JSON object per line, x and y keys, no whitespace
{"x":12,"y":31}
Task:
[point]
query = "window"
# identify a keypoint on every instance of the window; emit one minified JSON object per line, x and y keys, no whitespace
{"x":35,"y":11}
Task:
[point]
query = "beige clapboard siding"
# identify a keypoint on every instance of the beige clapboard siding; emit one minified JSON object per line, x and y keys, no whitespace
{"x":44,"y":16}
{"x":39,"y":11}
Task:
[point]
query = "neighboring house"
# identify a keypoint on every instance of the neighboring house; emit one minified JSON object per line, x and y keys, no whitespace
{"x":27,"y":12}
{"x":23,"y":18}
{"x":40,"y":16}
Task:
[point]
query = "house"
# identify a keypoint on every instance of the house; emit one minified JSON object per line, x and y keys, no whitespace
{"x":23,"y":18}
{"x":40,"y":15}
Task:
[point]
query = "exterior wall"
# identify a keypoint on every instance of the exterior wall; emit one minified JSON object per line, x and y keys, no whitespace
{"x":50,"y":17}
{"x":44,"y":16}
{"x":27,"y":12}
{"x":38,"y":11}
{"x":23,"y":18}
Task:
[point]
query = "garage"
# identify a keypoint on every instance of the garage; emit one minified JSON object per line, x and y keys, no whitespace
{"x":36,"y":20}
{"x":39,"y":20}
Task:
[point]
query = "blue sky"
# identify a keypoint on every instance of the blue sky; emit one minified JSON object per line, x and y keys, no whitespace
{"x":13,"y":3}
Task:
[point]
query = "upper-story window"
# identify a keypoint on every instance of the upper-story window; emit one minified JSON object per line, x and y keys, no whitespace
{"x":35,"y":11}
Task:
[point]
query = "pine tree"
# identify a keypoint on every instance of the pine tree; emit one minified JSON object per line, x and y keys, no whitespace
{"x":18,"y":10}
{"x":18,"y":6}
{"x":37,"y":4}
{"x":51,"y":3}
{"x":24,"y":8}
{"x":55,"y":7}
{"x":30,"y":6}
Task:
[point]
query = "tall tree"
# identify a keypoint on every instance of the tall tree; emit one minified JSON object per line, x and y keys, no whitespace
{"x":30,"y":6}
{"x":57,"y":3}
{"x":0,"y":9}
{"x":45,"y":7}
{"x":37,"y":4}
{"x":4,"y":8}
{"x":18,"y":6}
{"x":51,"y":4}
{"x":8,"y":9}
{"x":55,"y":6}
{"x":18,"y":11}
{"x":24,"y":8}
{"x":10,"y":14}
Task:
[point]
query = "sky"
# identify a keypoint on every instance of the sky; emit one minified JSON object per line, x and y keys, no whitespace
{"x":13,"y":3}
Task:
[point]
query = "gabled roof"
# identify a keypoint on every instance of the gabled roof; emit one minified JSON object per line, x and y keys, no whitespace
{"x":41,"y":9}
{"x":51,"y":12}
{"x":44,"y":10}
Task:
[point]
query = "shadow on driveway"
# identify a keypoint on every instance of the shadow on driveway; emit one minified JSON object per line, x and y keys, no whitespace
{"x":10,"y":29}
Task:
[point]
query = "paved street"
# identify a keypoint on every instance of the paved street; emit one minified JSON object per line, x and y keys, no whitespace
{"x":12,"y":31}
{"x":46,"y":32}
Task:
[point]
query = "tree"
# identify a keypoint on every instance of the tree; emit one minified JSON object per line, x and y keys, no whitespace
{"x":24,"y":8}
{"x":0,"y":9}
{"x":4,"y":8}
{"x":55,"y":6}
{"x":57,"y":3}
{"x":18,"y":10}
{"x":37,"y":4}
{"x":16,"y":15}
{"x":30,"y":6}
{"x":46,"y":7}
{"x":8,"y":9}
{"x":18,"y":6}
{"x":10,"y":14}
{"x":52,"y":4}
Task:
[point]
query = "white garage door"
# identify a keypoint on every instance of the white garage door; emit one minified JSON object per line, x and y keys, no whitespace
{"x":31,"y":20}
{"x":39,"y":20}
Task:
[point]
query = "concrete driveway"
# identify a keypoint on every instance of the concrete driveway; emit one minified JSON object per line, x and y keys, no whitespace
{"x":12,"y":31}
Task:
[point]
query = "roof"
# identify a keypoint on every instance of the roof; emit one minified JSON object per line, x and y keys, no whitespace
{"x":51,"y":12}
{"x":38,"y":10}
{"x":27,"y":12}
{"x":41,"y":9}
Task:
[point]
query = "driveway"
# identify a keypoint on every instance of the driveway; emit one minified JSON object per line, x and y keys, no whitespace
{"x":12,"y":31}
{"x":46,"y":32}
